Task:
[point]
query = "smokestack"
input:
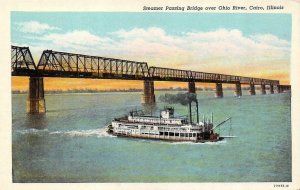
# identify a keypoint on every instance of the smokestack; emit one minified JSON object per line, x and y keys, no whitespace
{"x":197,"y":111}
{"x":190,"y":109}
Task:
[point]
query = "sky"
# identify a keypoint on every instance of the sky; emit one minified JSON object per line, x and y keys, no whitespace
{"x":255,"y":45}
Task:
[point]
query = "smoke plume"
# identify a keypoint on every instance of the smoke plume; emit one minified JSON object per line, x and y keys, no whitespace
{"x":180,"y":98}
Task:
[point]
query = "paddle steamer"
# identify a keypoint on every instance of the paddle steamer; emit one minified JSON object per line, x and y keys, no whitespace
{"x":165,"y":127}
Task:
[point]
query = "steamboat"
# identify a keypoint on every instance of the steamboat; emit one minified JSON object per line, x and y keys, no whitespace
{"x":166,"y":126}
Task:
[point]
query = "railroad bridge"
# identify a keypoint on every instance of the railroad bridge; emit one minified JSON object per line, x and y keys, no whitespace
{"x":70,"y":65}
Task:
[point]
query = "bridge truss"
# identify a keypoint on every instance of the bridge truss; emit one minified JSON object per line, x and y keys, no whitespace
{"x":167,"y":74}
{"x":70,"y":65}
{"x":22,"y":63}
{"x":62,"y":64}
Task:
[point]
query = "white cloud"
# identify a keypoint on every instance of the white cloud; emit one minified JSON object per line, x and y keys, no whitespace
{"x":222,"y":46}
{"x":152,"y":34}
{"x":77,"y":37}
{"x":271,"y":40}
{"x":34,"y":27}
{"x":221,"y":49}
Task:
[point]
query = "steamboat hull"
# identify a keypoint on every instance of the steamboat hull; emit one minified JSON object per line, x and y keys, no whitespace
{"x":200,"y":138}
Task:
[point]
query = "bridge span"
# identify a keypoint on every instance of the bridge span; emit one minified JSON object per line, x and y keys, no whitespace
{"x":70,"y":65}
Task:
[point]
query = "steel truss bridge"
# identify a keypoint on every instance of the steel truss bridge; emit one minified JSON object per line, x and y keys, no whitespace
{"x":70,"y":65}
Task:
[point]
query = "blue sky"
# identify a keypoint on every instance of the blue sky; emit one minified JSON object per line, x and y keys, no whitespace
{"x":173,"y":23}
{"x":255,"y":45}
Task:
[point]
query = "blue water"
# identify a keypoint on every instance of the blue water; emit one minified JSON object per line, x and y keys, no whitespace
{"x":69,"y":143}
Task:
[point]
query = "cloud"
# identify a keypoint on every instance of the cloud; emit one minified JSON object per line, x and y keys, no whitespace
{"x":152,"y":34}
{"x":34,"y":27}
{"x":223,"y":50}
{"x":201,"y":50}
{"x":77,"y":38}
{"x":271,"y":40}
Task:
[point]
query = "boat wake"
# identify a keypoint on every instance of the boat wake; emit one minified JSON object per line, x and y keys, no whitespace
{"x":33,"y":131}
{"x":72,"y":133}
{"x":83,"y":133}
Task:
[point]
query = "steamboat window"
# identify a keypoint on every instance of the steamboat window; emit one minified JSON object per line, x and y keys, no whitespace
{"x":171,"y":134}
{"x":131,"y":127}
{"x":182,"y":134}
{"x":194,"y":134}
{"x":190,"y":134}
{"x":176,"y":134}
{"x":161,"y":133}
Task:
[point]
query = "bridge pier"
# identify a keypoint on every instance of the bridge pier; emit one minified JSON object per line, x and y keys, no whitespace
{"x":238,"y":90}
{"x":252,"y":89}
{"x":148,"y":97}
{"x":271,"y":89}
{"x":36,"y":100}
{"x":285,"y":88}
{"x":279,"y":89}
{"x":192,"y":87}
{"x":263,"y":89}
{"x":219,"y":90}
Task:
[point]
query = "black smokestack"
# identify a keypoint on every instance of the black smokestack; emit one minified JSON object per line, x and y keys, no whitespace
{"x":180,"y":98}
{"x":190,"y":111}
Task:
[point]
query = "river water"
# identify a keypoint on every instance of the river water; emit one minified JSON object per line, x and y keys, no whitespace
{"x":69,"y":143}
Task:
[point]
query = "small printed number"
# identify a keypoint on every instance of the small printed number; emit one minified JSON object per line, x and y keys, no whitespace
{"x":282,"y":185}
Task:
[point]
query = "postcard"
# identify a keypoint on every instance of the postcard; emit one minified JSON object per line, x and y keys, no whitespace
{"x":150,"y":94}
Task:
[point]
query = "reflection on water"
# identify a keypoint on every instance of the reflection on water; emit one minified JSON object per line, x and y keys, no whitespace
{"x":36,"y":121}
{"x":69,"y":142}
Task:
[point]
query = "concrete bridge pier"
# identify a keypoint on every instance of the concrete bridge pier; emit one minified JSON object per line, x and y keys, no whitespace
{"x":36,"y":100}
{"x":192,"y":87}
{"x":284,"y":88}
{"x":238,"y":90}
{"x":271,"y":89}
{"x":252,"y":89}
{"x":279,"y":89}
{"x":263,"y":89}
{"x":219,"y":90}
{"x":148,"y":97}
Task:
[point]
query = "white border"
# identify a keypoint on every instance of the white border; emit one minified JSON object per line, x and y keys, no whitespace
{"x":291,"y":7}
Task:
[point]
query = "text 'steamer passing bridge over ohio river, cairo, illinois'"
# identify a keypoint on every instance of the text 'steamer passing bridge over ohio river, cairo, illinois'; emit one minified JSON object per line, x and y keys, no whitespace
{"x":70,"y":65}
